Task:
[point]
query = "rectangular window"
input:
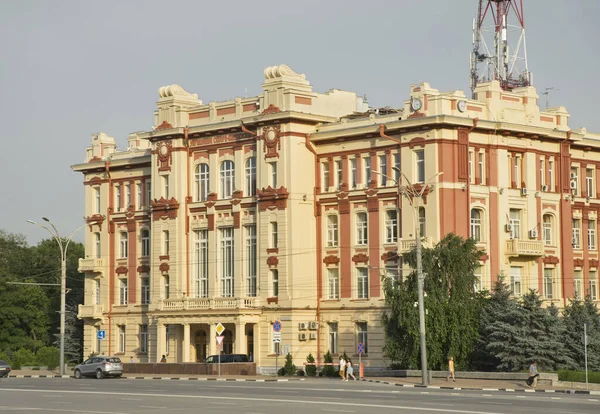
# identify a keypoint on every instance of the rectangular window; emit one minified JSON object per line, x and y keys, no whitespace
{"x":382,"y":170}
{"x":547,"y":229}
{"x":122,"y":291}
{"x":354,"y":173}
{"x":165,"y":243}
{"x":127,"y":196}
{"x":574,"y":180}
{"x":578,"y":284}
{"x":167,"y":286}
{"x":97,"y":292}
{"x":325,"y":176}
{"x":548,"y":284}
{"x":515,"y":223}
{"x":482,"y":168}
{"x":542,"y":172}
{"x":517,"y":171}
{"x":477,"y":283}
{"x":392,"y":271}
{"x":420,"y":164}
{"x":165,"y":181}
{"x":333,"y":284}
{"x":339,"y":177}
{"x":576,"y":236}
{"x":471,"y":167}
{"x":391,"y":226}
{"x":332,"y":230}
{"x":476,"y":224}
{"x":367,"y":171}
{"x":361,"y":335}
{"x":422,"y":222}
{"x":97,"y":245}
{"x":251,"y":260}
{"x":274,"y":241}
{"x":591,"y":233}
{"x":226,"y":262}
{"x":593,"y":285}
{"x":515,"y":281}
{"x":122,"y":339}
{"x":148,"y":193}
{"x":97,"y":200}
{"x":396,"y":168}
{"x":145,"y":290}
{"x":167,"y":336}
{"x":201,"y":263}
{"x":589,"y":183}
{"x":145,"y":243}
{"x":361,"y":229}
{"x":138,"y":196}
{"x":274,"y":283}
{"x":333,"y":337}
{"x":143,"y":339}
{"x":550,"y":175}
{"x":273,"y":171}
{"x":123,"y":244}
{"x":251,"y":177}
{"x":362,"y":283}
{"x":118,"y":198}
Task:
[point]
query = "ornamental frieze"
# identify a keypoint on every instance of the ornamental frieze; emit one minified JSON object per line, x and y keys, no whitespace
{"x":163,"y":208}
{"x":272,"y":199}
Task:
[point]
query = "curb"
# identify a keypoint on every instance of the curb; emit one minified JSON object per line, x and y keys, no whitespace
{"x":175,"y":378}
{"x":582,"y":392}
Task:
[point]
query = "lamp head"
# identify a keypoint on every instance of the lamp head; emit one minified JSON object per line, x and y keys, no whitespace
{"x":46,"y":219}
{"x":31,"y":222}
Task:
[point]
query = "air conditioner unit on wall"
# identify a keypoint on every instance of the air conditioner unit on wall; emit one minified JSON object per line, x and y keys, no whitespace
{"x":544,"y":188}
{"x":508,"y":228}
{"x":523,"y":191}
{"x":533,"y":234}
{"x":573,"y":175}
{"x":302,"y":326}
{"x":573,"y":185}
{"x":313,"y":325}
{"x":302,"y":337}
{"x":313,"y":335}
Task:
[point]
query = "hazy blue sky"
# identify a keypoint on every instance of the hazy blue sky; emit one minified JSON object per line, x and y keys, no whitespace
{"x":72,"y":68}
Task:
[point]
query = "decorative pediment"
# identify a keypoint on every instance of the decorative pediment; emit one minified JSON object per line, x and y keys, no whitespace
{"x":164,"y":267}
{"x":272,"y":109}
{"x":272,"y":199}
{"x":593,"y":262}
{"x":164,"y":125}
{"x":95,"y":219}
{"x":578,"y":262}
{"x":121,"y":270}
{"x":390,"y":257}
{"x":143,"y":269}
{"x":271,"y":136}
{"x":163,"y":208}
{"x":272,"y":261}
{"x":331,"y":260}
{"x":360,"y":258}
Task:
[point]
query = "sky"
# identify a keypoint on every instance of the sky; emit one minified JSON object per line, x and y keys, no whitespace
{"x":69,"y":69}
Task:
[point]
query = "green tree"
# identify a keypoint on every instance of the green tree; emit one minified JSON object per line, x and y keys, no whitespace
{"x":73,"y":349}
{"x":453,"y":307}
{"x":311,"y":370}
{"x":575,"y":314}
{"x":289,"y":367}
{"x":328,"y":370}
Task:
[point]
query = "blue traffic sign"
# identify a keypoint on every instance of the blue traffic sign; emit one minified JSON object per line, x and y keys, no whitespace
{"x":361,"y":348}
{"x":277,"y":326}
{"x":101,"y":334}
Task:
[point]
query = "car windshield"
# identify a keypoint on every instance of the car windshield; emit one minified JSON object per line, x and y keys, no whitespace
{"x":3,"y":363}
{"x":114,"y":360}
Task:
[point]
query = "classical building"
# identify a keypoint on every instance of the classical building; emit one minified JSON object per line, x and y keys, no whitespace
{"x":286,"y":207}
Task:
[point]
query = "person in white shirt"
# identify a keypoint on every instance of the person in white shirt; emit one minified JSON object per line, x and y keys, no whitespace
{"x":342,"y":368}
{"x":349,"y":370}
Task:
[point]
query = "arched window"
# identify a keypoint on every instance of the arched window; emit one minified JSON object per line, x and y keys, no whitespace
{"x":251,"y":177}
{"x":547,"y":229}
{"x":201,"y":182}
{"x":227,"y":179}
{"x":476,"y":224}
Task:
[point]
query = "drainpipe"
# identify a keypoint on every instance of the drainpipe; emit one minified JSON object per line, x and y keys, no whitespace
{"x":186,"y":142}
{"x":475,"y":122}
{"x":561,"y":187}
{"x":383,"y":135}
{"x":247,"y":131}
{"x":110,"y":254}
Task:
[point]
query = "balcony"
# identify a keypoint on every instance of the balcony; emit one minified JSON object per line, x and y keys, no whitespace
{"x":517,"y":247}
{"x":208,"y":304}
{"x":406,"y":245}
{"x":91,"y":265}
{"x":90,"y":311}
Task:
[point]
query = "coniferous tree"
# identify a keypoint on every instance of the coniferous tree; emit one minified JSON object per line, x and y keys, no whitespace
{"x":575,"y":314}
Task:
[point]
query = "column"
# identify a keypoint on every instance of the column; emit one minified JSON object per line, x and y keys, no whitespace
{"x":160,"y":341}
{"x":241,"y":345}
{"x":186,"y":342}
{"x":212,"y":341}
{"x":257,"y":345}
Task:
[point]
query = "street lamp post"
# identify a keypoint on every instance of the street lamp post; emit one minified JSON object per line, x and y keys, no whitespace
{"x":63,"y":244}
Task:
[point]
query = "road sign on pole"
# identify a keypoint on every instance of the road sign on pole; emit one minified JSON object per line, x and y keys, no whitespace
{"x":277,"y":326}
{"x":101,"y":335}
{"x":361,"y":350}
{"x":276,"y":337}
{"x":220,"y":341}
{"x":220,"y":329}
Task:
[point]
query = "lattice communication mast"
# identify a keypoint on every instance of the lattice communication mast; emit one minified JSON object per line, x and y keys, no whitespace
{"x":499,"y":50}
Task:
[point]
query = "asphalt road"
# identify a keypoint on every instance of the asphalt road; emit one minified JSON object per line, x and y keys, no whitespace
{"x":122,"y":396}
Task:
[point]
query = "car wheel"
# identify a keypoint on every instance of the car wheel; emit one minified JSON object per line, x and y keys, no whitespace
{"x":118,"y":376}
{"x":99,"y":374}
{"x":77,"y":374}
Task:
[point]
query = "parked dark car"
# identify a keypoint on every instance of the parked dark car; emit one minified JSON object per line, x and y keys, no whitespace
{"x":4,"y":369}
{"x":226,"y":358}
{"x":99,"y":367}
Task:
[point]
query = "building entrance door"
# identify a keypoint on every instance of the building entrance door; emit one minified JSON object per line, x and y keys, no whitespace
{"x":201,"y":346}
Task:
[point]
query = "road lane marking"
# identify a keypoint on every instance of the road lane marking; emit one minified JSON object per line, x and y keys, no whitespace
{"x":337,"y":411}
{"x":60,"y":410}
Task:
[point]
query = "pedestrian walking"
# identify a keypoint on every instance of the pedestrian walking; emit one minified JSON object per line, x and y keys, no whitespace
{"x":451,"y":369}
{"x":350,"y":370}
{"x":163,"y":359}
{"x":131,"y":360}
{"x":342,"y":368}
{"x":533,"y":374}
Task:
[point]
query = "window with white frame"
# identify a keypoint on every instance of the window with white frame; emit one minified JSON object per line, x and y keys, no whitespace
{"x":550,"y":175}
{"x":589,"y":183}
{"x":478,"y":282}
{"x":97,"y":245}
{"x":332,"y":230}
{"x":382,"y":170}
{"x":148,"y":193}
{"x":422,"y":222}
{"x":542,"y":172}
{"x":515,"y":281}
{"x":251,"y":260}
{"x":591,"y":234}
{"x":353,"y":173}
{"x":123,"y":291}
{"x":548,"y":284}
{"x":547,"y":229}
{"x":139,"y":195}
{"x":362,"y":283}
{"x":97,"y":200}
{"x":476,"y":224}
{"x":118,"y":197}
{"x":165,"y":183}
{"x":201,"y":263}
{"x":274,"y":288}
{"x":576,"y":234}
{"x":391,"y":226}
{"x":97,"y":292}
{"x":122,"y":339}
{"x":515,"y":223}
{"x":333,"y":284}
{"x":593,"y":280}
{"x":578,"y":280}
{"x":362,"y":335}
{"x":325,"y":176}
{"x":143,"y":339}
{"x":274,"y":239}
{"x":481,"y":164}
{"x":165,"y":243}
{"x":392,"y":271}
{"x":226,"y":244}
{"x":574,"y":177}
{"x":166,"y":287}
{"x":145,"y":290}
{"x":201,"y":182}
{"x":251,"y":177}
{"x":333,"y":337}
{"x":517,"y":170}
{"x":127,"y":196}
{"x":227,"y":179}
{"x":472,"y":167}
{"x":367,"y":170}
{"x":361,"y":229}
{"x":167,"y":336}
{"x":339,"y":177}
{"x":396,"y":168}
{"x":145,"y":243}
{"x":123,"y":244}
{"x":420,"y":166}
{"x":273,"y":174}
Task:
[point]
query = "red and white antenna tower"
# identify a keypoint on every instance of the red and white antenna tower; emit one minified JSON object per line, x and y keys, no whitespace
{"x":499,"y":50}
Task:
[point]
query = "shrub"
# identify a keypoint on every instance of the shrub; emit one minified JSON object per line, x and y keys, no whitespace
{"x":578,"y":376}
{"x":311,"y":370}
{"x":290,"y":368}
{"x":23,"y":357}
{"x":6,"y":358}
{"x":281,"y":372}
{"x":48,"y":356}
{"x":328,"y":370}
{"x":300,"y":372}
